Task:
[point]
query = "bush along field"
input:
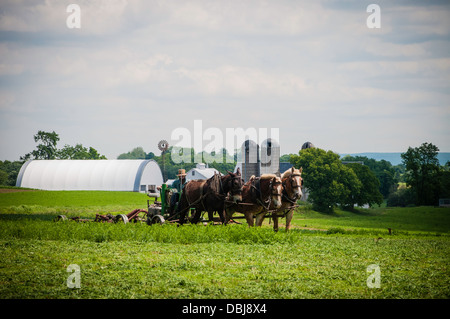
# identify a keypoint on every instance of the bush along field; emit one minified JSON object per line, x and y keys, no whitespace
{"x":367,"y":253}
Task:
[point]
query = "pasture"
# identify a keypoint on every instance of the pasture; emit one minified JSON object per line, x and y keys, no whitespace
{"x":324,"y":256}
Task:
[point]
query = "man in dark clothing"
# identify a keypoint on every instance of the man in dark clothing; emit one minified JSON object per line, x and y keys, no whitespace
{"x":178,"y":184}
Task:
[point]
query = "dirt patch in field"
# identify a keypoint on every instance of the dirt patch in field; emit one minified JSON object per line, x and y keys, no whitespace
{"x":309,"y":228}
{"x":15,"y":190}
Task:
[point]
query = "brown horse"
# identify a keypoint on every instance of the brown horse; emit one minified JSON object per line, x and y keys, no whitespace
{"x":292,"y":191}
{"x":259,"y":195}
{"x":210,"y":196}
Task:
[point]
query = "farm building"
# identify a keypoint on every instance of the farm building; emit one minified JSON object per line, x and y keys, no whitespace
{"x":200,"y":172}
{"x":110,"y":175}
{"x":254,"y":160}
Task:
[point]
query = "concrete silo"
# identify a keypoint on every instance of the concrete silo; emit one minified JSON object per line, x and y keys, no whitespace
{"x":270,"y":157}
{"x":250,"y":159}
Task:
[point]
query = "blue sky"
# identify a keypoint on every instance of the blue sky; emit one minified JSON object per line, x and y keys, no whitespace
{"x":137,"y":70}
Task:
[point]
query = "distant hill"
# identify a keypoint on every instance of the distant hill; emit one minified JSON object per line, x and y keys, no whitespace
{"x":395,"y":158}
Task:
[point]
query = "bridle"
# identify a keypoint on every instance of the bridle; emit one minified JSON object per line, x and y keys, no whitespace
{"x":230,"y":185}
{"x":273,"y":192}
{"x":293,"y":184}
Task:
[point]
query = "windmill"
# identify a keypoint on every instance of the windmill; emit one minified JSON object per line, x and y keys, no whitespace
{"x":163,"y":147}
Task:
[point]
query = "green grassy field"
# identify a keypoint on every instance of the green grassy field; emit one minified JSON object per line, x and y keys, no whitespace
{"x":324,"y":256}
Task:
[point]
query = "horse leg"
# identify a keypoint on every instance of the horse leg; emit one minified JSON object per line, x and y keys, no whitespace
{"x":181,"y":208}
{"x":197,"y":215}
{"x":275,"y":221}
{"x":211,"y":215}
{"x":260,"y":219}
{"x":228,"y":214}
{"x":289,"y":216}
{"x":222,"y":216}
{"x":249,"y":218}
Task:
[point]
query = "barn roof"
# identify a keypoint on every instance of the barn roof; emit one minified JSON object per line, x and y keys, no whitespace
{"x":113,"y":175}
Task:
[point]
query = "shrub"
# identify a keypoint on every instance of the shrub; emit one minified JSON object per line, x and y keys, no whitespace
{"x":401,"y":197}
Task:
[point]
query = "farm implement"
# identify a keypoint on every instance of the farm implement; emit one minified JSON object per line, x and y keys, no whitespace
{"x":157,"y":212}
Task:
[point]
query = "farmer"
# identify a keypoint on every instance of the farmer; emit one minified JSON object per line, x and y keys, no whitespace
{"x":181,"y":181}
{"x":178,"y":184}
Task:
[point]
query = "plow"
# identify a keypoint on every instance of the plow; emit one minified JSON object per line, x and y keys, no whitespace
{"x":156,"y":212}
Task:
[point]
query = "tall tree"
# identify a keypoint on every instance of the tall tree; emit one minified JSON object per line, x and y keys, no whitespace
{"x":78,"y":152}
{"x":369,"y":192}
{"x":383,"y":170}
{"x":47,"y":147}
{"x":423,"y":172}
{"x":328,"y":181}
{"x":135,"y":153}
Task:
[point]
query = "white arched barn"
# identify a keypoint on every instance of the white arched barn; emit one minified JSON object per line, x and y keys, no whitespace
{"x":111,"y":175}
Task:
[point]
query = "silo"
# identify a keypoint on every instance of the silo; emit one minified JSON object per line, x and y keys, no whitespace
{"x":270,"y":156}
{"x":307,"y":145}
{"x":250,"y":159}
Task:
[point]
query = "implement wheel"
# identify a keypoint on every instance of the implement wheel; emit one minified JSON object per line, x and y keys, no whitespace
{"x":60,"y":218}
{"x":121,"y":218}
{"x":157,"y":219}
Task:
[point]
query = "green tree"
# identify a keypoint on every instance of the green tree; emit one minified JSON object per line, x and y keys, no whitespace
{"x":12,"y":170}
{"x":135,"y":153}
{"x":329,"y":182}
{"x":445,"y":181}
{"x":423,"y":172}
{"x":403,"y":197}
{"x":94,"y":154}
{"x":3,"y":177}
{"x":78,"y":152}
{"x":383,"y":170}
{"x":286,"y":157}
{"x":47,"y":147}
{"x":369,"y":192}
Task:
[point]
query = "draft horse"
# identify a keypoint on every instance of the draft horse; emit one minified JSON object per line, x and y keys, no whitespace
{"x":259,"y":195}
{"x":292,"y":191}
{"x":210,"y":195}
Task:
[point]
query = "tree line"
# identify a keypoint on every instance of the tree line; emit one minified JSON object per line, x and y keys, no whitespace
{"x":170,"y":168}
{"x":332,"y":183}
{"x":330,"y":180}
{"x":47,"y":149}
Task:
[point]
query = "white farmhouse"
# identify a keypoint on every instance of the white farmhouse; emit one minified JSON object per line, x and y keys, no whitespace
{"x":201,"y":171}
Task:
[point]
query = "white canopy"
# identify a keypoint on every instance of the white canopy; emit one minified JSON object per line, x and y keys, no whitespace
{"x":111,"y":175}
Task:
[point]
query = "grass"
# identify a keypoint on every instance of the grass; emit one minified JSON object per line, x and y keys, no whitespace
{"x":234,"y":261}
{"x":409,"y":219}
{"x":35,"y":202}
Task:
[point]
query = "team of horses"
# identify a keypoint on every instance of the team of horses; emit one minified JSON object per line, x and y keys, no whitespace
{"x":228,"y":194}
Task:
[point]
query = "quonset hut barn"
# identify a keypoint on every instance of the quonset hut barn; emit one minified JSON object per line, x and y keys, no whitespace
{"x":110,"y":175}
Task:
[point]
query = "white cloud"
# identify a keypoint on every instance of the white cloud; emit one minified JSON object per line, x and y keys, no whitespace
{"x":150,"y":66}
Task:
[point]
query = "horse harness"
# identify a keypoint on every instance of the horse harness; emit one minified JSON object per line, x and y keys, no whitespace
{"x":285,"y":195}
{"x":216,"y":189}
{"x":257,"y":194}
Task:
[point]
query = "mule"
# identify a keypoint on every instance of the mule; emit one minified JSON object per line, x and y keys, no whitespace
{"x":292,"y":191}
{"x":259,"y":195}
{"x":210,"y":195}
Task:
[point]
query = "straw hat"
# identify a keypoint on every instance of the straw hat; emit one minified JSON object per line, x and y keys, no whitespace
{"x":181,"y":172}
